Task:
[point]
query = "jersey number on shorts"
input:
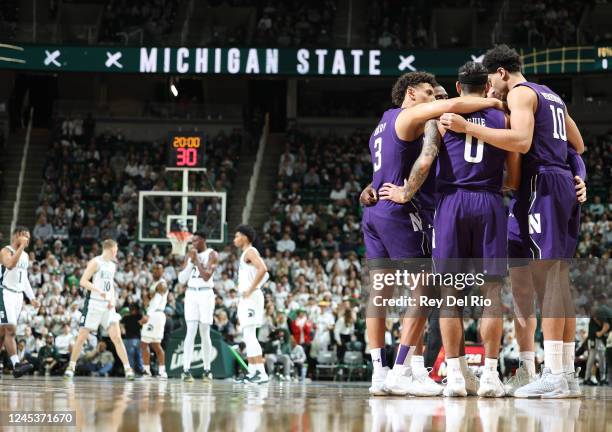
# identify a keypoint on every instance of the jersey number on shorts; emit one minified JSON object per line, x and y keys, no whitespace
{"x":377,"y":153}
{"x":467,"y":153}
{"x":559,"y":130}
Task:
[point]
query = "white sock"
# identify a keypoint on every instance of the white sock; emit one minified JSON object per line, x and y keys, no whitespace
{"x":162,"y":369}
{"x":14,"y":359}
{"x":490,"y":365}
{"x":251,"y":369}
{"x":147,"y":368}
{"x":553,"y":356}
{"x":528,"y":359}
{"x":417,"y":362}
{"x":453,"y":366}
{"x":463,"y":364}
{"x":569,"y":352}
{"x":401,"y":369}
{"x":377,"y":360}
{"x":72,"y":365}
{"x":260,"y":367}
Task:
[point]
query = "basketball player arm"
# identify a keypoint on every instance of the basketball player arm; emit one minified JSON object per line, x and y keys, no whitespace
{"x":254,"y":258}
{"x":522,"y":103}
{"x":10,"y":260}
{"x":576,"y":164}
{"x":410,"y":121}
{"x":185,"y":272}
{"x":213,"y":260}
{"x":85,"y":281}
{"x":420,"y":169}
{"x":513,"y":171}
{"x":27,"y":290}
{"x":574,"y":137}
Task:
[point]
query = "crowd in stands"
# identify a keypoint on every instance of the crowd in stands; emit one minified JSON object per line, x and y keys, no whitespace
{"x":154,"y":17}
{"x":295,"y":23}
{"x":394,"y":24}
{"x":9,"y":16}
{"x":311,"y":244}
{"x":549,"y":23}
{"x":90,"y":187}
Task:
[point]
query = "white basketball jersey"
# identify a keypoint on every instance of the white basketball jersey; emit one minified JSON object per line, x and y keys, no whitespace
{"x":247,"y":273}
{"x":159,"y":301}
{"x":104,"y":279}
{"x":17,"y":277}
{"x":195,"y":281}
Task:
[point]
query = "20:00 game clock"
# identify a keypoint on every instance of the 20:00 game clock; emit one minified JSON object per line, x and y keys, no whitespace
{"x":185,"y":150}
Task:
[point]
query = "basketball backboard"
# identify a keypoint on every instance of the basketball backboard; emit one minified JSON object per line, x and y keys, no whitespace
{"x":160,"y":212}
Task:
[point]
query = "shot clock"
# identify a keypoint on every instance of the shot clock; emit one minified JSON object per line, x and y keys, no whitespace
{"x":185,"y":150}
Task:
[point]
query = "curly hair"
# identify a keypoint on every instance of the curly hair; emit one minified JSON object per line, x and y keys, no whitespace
{"x":502,"y":56}
{"x":410,"y":79}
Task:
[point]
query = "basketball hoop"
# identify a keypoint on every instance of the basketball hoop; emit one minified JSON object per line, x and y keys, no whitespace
{"x":179,"y":240}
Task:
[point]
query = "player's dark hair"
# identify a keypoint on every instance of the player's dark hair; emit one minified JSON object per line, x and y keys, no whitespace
{"x":410,"y":79}
{"x":502,"y":56}
{"x":200,"y":233}
{"x":20,"y":228}
{"x":247,"y":231}
{"x":473,"y":77}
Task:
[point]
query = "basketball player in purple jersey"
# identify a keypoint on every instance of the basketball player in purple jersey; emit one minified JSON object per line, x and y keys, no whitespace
{"x":395,"y":231}
{"x":540,"y":129}
{"x":523,"y":290}
{"x":470,"y":222}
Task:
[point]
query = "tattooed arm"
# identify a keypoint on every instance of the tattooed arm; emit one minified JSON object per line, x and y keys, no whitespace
{"x":420,"y":169}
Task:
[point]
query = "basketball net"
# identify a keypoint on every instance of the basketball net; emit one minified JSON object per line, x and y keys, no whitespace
{"x":179,"y":240}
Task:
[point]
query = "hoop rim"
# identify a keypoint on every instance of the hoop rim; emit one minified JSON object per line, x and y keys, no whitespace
{"x":181,"y":236}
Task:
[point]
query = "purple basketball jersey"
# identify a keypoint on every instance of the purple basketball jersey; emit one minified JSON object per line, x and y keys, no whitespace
{"x":467,"y":163}
{"x":549,"y":144}
{"x":390,"y":230}
{"x":392,"y":160}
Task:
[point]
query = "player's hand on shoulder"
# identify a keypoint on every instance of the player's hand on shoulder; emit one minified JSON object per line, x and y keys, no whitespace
{"x":144,"y":320}
{"x":581,"y":189}
{"x":453,"y":122}
{"x":391,"y":192}
{"x":368,"y":196}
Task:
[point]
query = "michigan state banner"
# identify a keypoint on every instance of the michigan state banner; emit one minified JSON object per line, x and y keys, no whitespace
{"x":223,"y":361}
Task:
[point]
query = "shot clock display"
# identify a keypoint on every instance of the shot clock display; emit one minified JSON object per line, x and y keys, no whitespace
{"x":185,"y":150}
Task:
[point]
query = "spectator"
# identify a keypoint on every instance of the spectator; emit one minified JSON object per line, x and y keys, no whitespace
{"x":285,"y":244}
{"x":98,"y":362}
{"x":43,"y":230}
{"x":130,"y":326}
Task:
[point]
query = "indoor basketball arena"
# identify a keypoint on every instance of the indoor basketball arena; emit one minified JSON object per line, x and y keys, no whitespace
{"x":331,"y":215}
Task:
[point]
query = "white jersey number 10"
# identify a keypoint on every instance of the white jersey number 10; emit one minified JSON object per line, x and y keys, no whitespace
{"x":559,"y":130}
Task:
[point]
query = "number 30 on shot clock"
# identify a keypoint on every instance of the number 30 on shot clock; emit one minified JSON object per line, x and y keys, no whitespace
{"x":185,"y":150}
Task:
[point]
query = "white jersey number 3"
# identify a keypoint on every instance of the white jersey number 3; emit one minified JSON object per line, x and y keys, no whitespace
{"x":377,"y":153}
{"x":467,"y":153}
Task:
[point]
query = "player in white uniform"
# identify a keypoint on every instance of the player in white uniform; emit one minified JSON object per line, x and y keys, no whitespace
{"x":252,"y":274}
{"x":153,"y":323}
{"x":99,"y":309}
{"x":198,"y":269}
{"x":14,"y":283}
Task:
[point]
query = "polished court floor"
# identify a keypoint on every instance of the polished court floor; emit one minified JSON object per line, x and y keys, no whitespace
{"x":111,"y":404}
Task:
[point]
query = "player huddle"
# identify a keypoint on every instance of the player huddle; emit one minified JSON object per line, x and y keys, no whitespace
{"x":438,"y":177}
